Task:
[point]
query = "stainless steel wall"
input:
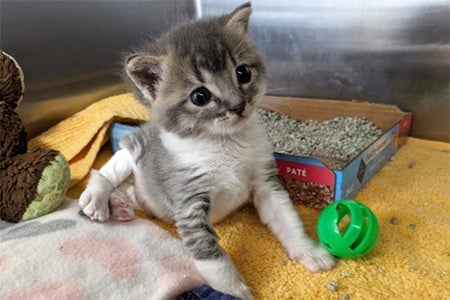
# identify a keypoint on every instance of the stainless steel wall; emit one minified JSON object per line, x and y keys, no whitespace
{"x":385,"y":51}
{"x":70,"y":50}
{"x":389,"y":51}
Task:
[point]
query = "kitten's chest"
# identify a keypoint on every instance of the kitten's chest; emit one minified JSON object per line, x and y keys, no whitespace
{"x":231,"y":168}
{"x":228,"y":164}
{"x":231,"y":173}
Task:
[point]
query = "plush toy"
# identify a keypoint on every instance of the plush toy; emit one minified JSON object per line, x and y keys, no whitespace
{"x":32,"y":183}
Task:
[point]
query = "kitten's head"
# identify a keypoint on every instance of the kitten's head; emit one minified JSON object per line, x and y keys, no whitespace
{"x":203,"y":77}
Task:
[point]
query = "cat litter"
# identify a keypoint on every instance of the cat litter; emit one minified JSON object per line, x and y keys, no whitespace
{"x":394,"y":221}
{"x":341,"y":138}
{"x":333,"y":286}
{"x":345,"y":297}
{"x":346,"y":274}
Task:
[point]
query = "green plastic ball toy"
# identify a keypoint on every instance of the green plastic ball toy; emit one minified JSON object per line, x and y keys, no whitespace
{"x":348,"y":229}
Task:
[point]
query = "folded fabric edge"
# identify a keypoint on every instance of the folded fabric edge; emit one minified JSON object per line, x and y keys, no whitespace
{"x":80,"y":128}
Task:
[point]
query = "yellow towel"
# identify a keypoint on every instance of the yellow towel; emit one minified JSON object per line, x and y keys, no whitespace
{"x":410,"y":261}
{"x":80,"y":137}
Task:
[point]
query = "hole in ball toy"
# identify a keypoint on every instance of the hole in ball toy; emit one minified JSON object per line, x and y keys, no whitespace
{"x":343,"y":224}
{"x":344,"y":218}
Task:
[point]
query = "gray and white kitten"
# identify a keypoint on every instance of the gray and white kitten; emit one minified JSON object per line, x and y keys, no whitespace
{"x":203,"y":155}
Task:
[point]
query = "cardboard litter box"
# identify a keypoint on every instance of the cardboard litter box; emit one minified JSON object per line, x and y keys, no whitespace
{"x":316,"y":181}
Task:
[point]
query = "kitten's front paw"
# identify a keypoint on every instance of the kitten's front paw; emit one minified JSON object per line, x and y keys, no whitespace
{"x":93,"y":206}
{"x":315,"y":258}
{"x":94,"y":200}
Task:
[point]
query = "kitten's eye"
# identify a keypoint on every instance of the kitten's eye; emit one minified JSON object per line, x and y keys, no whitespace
{"x":201,"y":96}
{"x":243,"y":74}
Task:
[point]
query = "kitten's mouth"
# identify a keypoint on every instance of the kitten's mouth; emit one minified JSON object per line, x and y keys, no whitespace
{"x":234,"y":117}
{"x":229,"y":123}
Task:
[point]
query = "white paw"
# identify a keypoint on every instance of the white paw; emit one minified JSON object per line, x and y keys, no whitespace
{"x":315,"y":258}
{"x":94,"y":200}
{"x":120,"y":210}
{"x":223,"y":276}
{"x":96,"y":212}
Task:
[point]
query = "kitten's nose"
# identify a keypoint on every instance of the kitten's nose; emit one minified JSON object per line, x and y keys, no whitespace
{"x":238,"y":109}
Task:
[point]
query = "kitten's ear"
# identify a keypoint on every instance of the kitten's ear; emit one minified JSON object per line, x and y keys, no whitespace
{"x":238,"y":20}
{"x":145,"y":72}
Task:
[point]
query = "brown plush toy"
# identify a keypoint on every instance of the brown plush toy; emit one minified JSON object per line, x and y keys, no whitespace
{"x":32,"y":183}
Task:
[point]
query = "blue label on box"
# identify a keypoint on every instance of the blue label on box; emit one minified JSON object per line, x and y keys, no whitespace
{"x":117,"y":131}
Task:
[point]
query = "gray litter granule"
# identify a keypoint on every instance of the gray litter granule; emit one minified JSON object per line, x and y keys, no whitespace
{"x":394,"y":220}
{"x":345,"y":297}
{"x":346,"y":274}
{"x":333,"y":286}
{"x":341,"y":138}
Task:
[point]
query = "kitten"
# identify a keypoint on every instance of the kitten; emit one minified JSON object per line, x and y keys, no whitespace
{"x":203,"y":154}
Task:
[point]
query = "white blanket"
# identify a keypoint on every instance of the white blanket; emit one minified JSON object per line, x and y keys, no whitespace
{"x":64,"y":255}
